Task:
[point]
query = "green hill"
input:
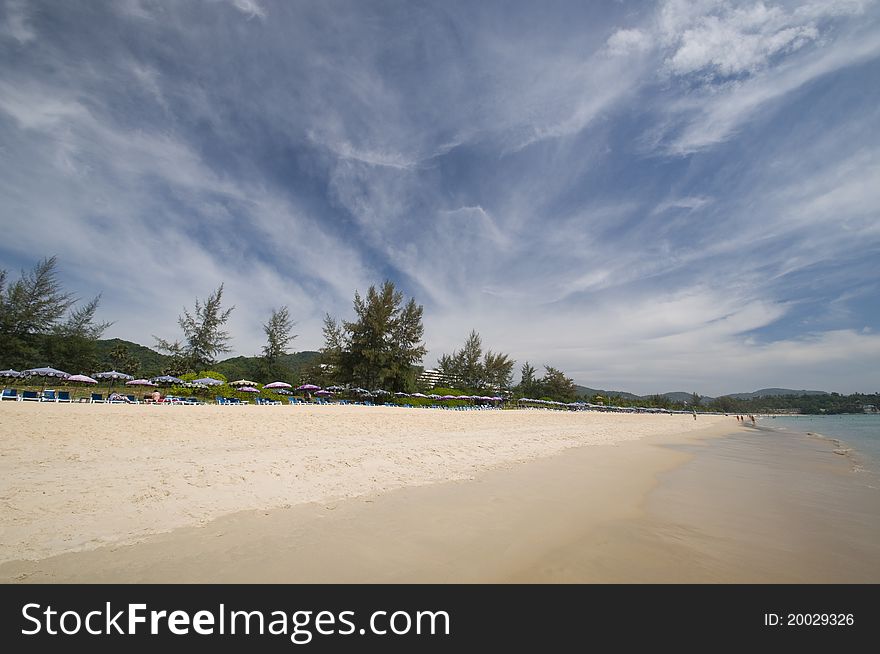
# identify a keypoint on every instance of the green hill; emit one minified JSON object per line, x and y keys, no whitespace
{"x":590,"y":392}
{"x":151,"y":362}
{"x":773,"y":392}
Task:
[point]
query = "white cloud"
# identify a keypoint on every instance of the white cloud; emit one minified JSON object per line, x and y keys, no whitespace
{"x":17,"y":25}
{"x":488,"y":167}
{"x":730,"y":39}
{"x":251,"y":8}
{"x":93,"y":200}
{"x":628,"y":41}
{"x":690,"y":203}
{"x":715,"y":117}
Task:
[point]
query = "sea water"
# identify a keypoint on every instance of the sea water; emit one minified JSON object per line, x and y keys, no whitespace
{"x":859,"y":432}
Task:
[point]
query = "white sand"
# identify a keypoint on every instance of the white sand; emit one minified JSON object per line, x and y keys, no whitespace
{"x":76,"y":477}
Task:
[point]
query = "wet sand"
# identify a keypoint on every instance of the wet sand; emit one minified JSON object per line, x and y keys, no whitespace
{"x":756,"y":506}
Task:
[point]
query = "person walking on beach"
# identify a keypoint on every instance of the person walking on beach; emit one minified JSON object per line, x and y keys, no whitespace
{"x":695,"y":414}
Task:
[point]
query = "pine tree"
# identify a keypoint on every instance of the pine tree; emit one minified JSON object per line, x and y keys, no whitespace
{"x":29,"y":309}
{"x":528,"y":384}
{"x":204,"y":337}
{"x":278,"y":337}
{"x":380,"y":348}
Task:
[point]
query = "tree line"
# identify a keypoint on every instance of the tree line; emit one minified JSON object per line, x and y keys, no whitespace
{"x":382,"y":346}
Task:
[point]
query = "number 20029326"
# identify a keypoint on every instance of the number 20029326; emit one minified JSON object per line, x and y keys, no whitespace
{"x":809,"y":619}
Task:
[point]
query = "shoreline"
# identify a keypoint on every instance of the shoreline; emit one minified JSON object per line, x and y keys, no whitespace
{"x":844,"y":446}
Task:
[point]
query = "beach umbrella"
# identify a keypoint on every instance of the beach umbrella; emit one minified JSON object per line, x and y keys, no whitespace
{"x":278,"y":384}
{"x":308,"y":387}
{"x":248,"y":389}
{"x":243,"y":382}
{"x":322,"y":392}
{"x":45,"y":372}
{"x":207,"y":381}
{"x":166,"y":379}
{"x":140,"y":382}
{"x":401,"y":394}
{"x":336,"y":389}
{"x":381,"y":392}
{"x":82,"y":378}
{"x":10,"y":373}
{"x":419,"y":395}
{"x":113,"y":375}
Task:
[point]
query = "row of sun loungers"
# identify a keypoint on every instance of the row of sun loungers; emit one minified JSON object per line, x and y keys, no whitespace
{"x":98,"y":398}
{"x":34,"y":396}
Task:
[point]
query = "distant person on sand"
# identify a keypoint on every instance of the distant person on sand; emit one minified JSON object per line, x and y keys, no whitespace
{"x":118,"y":397}
{"x":695,"y":414}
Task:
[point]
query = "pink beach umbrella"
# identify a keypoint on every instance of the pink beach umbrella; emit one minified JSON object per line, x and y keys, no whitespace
{"x":140,"y":382}
{"x":308,"y":387}
{"x":249,"y":389}
{"x":278,"y":384}
{"x":82,"y":378}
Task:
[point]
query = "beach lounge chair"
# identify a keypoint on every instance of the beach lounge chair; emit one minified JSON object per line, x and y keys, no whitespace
{"x":63,"y":396}
{"x":220,"y":400}
{"x":131,"y":399}
{"x":48,"y":396}
{"x":30,"y":396}
{"x":10,"y":394}
{"x":97,"y":398}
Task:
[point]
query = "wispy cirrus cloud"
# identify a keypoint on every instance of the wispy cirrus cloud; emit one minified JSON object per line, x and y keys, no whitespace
{"x":677,"y":195}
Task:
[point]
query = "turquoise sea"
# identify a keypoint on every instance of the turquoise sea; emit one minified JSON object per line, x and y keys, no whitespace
{"x":861,"y":433}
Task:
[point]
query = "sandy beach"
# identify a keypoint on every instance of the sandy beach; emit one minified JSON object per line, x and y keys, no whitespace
{"x":371,"y":494}
{"x":76,"y":476}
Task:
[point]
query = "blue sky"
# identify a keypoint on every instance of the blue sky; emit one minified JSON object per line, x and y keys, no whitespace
{"x":652,"y":196}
